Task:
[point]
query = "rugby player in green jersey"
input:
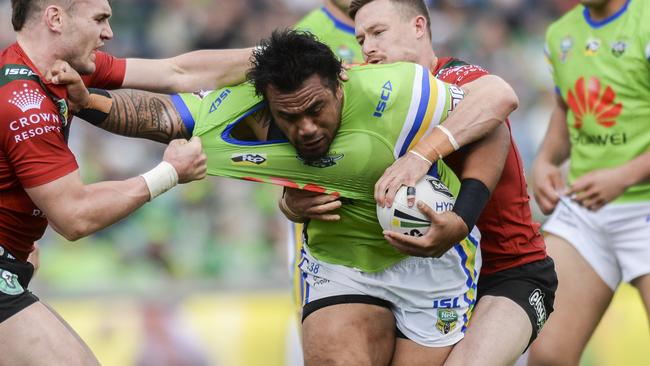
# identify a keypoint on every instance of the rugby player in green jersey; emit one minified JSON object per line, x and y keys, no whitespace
{"x":515,"y":264}
{"x":359,"y":288}
{"x":599,"y":54}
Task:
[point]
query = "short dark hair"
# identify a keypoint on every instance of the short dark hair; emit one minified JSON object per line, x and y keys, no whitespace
{"x":21,"y":10}
{"x":408,"y":8}
{"x":288,"y":58}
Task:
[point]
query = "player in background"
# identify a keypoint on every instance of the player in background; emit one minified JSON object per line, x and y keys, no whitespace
{"x":515,"y":261}
{"x":334,"y":27}
{"x":599,"y":54}
{"x":39,"y":177}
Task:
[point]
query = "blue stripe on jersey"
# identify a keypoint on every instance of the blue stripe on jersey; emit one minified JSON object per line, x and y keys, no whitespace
{"x":337,"y":22}
{"x":463,"y":257}
{"x":225,"y":135}
{"x":186,"y":115}
{"x":433,"y":171}
{"x":419,"y":116}
{"x":609,"y":19}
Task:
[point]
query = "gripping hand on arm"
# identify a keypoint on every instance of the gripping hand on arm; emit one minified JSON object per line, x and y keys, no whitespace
{"x":487,"y":103}
{"x":300,"y":205}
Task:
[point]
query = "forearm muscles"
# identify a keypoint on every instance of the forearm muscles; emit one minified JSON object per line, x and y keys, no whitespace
{"x":145,"y":115}
{"x":488,"y":102}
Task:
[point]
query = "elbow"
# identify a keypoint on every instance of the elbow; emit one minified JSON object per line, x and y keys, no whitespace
{"x":75,"y":233}
{"x":73,"y":229}
{"x":509,"y":99}
{"x":512,"y":100}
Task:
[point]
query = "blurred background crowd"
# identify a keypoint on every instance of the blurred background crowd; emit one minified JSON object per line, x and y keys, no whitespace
{"x":220,"y":234}
{"x":230,"y":230}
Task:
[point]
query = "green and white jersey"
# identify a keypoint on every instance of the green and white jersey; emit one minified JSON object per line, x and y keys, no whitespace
{"x":602,"y":71}
{"x":386,"y":109}
{"x":334,"y":33}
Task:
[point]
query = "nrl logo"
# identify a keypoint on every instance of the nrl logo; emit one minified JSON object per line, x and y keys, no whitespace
{"x":324,"y":162}
{"x":447,"y":319}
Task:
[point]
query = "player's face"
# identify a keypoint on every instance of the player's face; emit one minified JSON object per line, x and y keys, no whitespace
{"x":88,"y":29}
{"x":384,"y":33}
{"x":309,"y":116}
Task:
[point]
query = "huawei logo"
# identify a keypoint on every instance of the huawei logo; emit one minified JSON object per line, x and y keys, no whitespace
{"x":593,"y":103}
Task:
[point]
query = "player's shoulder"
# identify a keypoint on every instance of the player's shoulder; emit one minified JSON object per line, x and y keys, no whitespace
{"x":367,"y":76}
{"x":569,"y":19}
{"x":457,"y":71}
{"x":368,"y":70}
{"x":313,"y":21}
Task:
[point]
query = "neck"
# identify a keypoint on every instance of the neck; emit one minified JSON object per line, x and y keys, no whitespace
{"x":339,"y":13}
{"x":427,"y":57}
{"x":42,"y":57}
{"x":605,"y":10}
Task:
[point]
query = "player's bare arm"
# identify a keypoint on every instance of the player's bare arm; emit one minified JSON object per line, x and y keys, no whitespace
{"x":131,"y":113}
{"x":136,"y":113}
{"x":75,"y":210}
{"x":488,"y":102}
{"x":547,"y":178}
{"x":197,"y":70}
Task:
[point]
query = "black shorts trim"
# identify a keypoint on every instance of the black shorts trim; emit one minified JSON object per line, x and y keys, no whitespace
{"x":12,"y":271}
{"x":311,"y":307}
{"x":532,"y":286}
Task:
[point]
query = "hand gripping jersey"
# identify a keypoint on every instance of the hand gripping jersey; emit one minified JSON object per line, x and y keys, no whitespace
{"x":386,"y":109}
{"x":33,"y":150}
{"x":509,"y":237}
{"x":602,"y":71}
{"x":334,"y":33}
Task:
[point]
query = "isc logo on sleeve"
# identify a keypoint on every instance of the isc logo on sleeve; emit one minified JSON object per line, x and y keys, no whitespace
{"x":383,"y":99}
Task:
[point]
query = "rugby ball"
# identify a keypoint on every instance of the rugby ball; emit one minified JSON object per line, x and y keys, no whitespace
{"x":409,"y":220}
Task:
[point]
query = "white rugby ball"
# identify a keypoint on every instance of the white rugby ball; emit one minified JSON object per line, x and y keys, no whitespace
{"x":409,"y":220}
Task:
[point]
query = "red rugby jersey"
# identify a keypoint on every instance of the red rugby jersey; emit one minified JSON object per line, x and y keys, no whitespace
{"x":509,"y":237}
{"x":33,"y":150}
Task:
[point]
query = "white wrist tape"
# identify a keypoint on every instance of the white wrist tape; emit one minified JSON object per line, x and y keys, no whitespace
{"x":423,"y":157}
{"x":160,"y":179}
{"x":451,"y":138}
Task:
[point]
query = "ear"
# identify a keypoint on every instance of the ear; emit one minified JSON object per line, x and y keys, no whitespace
{"x":339,"y":89}
{"x":421,"y":26}
{"x":53,"y":17}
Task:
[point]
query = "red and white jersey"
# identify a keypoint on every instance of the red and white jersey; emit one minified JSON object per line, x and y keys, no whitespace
{"x":509,"y":236}
{"x":33,"y":150}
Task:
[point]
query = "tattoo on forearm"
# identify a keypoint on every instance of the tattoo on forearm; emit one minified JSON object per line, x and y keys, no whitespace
{"x":142,"y":114}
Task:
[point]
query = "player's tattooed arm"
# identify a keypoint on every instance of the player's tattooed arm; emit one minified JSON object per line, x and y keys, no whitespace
{"x":136,"y":113}
{"x":131,"y":113}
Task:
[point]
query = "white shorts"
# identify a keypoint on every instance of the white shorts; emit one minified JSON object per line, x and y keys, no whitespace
{"x":614,"y":240}
{"x":431,"y":298}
